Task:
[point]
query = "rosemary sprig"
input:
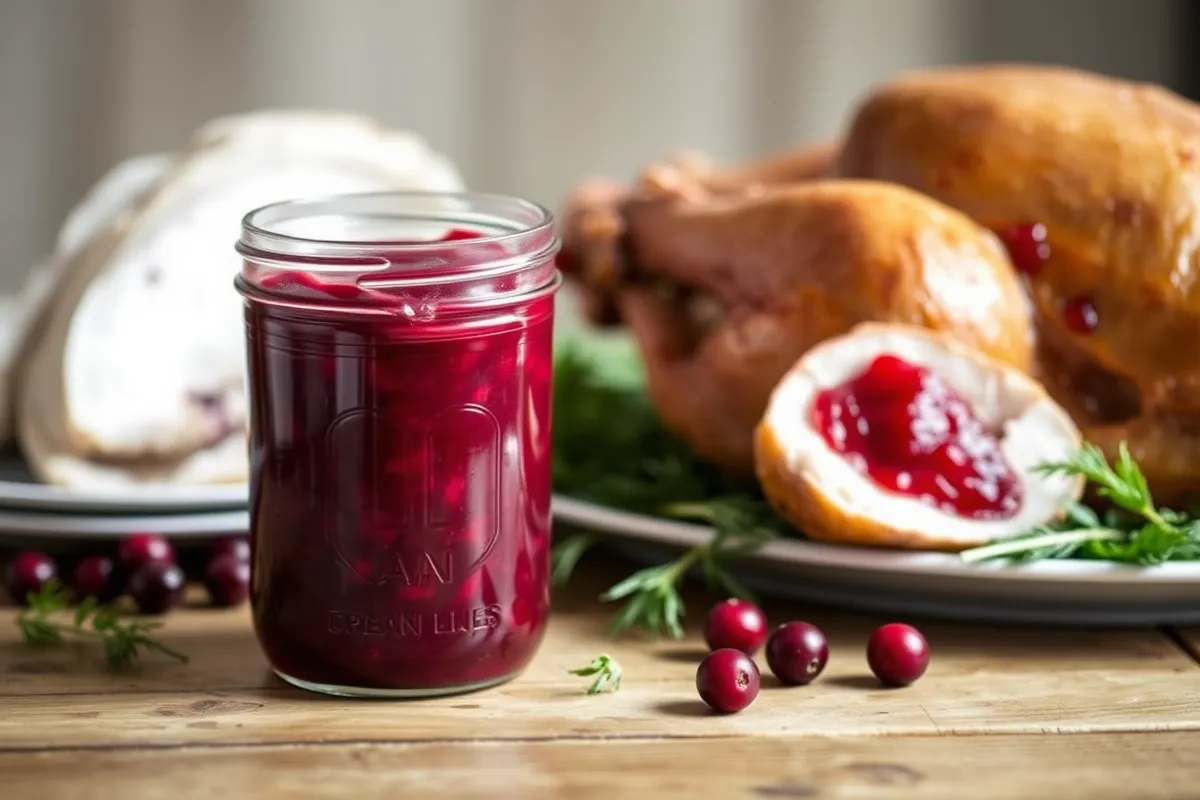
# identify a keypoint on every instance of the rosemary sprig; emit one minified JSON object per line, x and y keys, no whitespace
{"x":653,"y":602}
{"x":120,"y":641}
{"x":607,"y":672}
{"x":565,"y":556}
{"x":1134,"y":531}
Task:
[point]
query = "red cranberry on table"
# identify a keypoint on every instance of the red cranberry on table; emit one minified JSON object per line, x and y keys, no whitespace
{"x":95,"y":576}
{"x":898,"y":654}
{"x":727,"y":680}
{"x":797,"y":653}
{"x":236,"y":546}
{"x":28,"y":572}
{"x":157,"y":587}
{"x":142,"y":548}
{"x":228,"y":580}
{"x":736,"y":624}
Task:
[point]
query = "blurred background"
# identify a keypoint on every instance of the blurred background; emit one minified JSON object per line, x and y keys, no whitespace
{"x":527,"y":96}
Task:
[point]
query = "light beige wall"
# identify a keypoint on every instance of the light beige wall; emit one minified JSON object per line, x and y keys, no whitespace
{"x":527,"y":95}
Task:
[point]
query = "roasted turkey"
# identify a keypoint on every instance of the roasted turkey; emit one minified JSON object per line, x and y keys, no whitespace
{"x":724,"y":292}
{"x":1092,"y":183}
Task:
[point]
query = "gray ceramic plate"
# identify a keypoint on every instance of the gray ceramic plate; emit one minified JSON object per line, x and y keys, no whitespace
{"x":20,"y":491}
{"x":927,"y":584}
{"x":29,"y":528}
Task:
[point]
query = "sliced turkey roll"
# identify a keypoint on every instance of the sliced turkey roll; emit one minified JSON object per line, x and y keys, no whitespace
{"x":141,"y":368}
{"x":24,"y":317}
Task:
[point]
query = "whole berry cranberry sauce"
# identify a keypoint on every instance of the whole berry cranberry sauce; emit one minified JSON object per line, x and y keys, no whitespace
{"x":911,"y":433}
{"x":400,"y":444}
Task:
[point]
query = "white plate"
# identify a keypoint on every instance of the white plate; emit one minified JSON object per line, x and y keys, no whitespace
{"x":929,"y":584}
{"x":19,"y":490}
{"x":18,"y":527}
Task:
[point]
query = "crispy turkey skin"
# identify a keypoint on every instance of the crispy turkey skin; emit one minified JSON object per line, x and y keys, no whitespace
{"x":1108,"y":169}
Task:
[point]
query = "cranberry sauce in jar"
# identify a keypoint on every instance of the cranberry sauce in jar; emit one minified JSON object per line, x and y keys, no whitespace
{"x":400,"y":364}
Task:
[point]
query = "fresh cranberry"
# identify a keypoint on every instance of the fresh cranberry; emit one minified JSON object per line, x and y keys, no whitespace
{"x":95,"y":576}
{"x":797,"y":653}
{"x":727,"y":680}
{"x":228,"y":580}
{"x":142,"y":548}
{"x":898,"y":654}
{"x":1080,"y":314}
{"x":913,"y":434}
{"x":27,"y":573}
{"x":735,"y":624}
{"x":236,"y":546}
{"x":157,"y":587}
{"x":1027,"y":246}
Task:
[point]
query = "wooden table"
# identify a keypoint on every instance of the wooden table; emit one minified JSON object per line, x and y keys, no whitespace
{"x":1001,"y":713}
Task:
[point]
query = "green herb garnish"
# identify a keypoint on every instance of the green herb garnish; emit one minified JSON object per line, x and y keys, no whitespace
{"x":1134,"y":531}
{"x":606,"y":671}
{"x":121,"y":641}
{"x":653,"y":603}
{"x":611,"y":448}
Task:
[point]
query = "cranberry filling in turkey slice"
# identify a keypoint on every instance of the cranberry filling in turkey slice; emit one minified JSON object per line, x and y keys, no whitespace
{"x":933,"y":445}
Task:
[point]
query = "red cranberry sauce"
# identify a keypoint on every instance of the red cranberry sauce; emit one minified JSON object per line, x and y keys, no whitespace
{"x":400,"y":490}
{"x":914,"y":435}
{"x":1028,"y":250}
{"x":437,"y":258}
{"x":1080,"y":314}
{"x":1027,"y":246}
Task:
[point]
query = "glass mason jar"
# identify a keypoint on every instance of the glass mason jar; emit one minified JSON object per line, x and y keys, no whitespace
{"x":399,"y":375}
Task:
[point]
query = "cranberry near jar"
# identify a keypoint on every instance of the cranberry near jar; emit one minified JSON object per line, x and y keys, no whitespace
{"x":399,"y":372}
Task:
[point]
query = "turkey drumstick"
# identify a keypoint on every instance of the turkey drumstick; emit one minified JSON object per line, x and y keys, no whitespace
{"x":782,"y":268}
{"x":591,"y":208}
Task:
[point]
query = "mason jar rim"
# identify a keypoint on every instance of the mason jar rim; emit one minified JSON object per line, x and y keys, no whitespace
{"x":500,"y":209}
{"x":510,"y":258}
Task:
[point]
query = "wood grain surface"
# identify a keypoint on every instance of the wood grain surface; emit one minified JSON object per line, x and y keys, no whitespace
{"x":1002,"y":712}
{"x":1126,"y":766}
